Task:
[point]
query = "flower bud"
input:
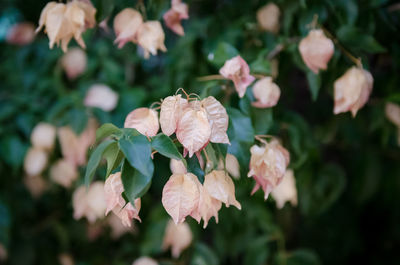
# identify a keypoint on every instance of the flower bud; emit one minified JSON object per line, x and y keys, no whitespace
{"x":177,"y":166}
{"x":36,"y":185}
{"x":286,"y":190}
{"x":268,"y":165}
{"x":218,"y":119}
{"x":90,"y":202}
{"x":102,"y":97}
{"x":237,"y":70}
{"x":151,"y":37}
{"x":266,"y":93}
{"x":178,"y":237}
{"x":126,"y":26}
{"x":144,"y":120}
{"x":316,"y":50}
{"x":63,"y":173}
{"x":74,"y":62}
{"x":43,"y":136}
{"x":352,"y":90}
{"x":170,"y":112}
{"x":175,"y":14}
{"x":21,"y":34}
{"x":113,"y":190}
{"x":35,"y":161}
{"x":268,"y":18}
{"x":145,"y":261}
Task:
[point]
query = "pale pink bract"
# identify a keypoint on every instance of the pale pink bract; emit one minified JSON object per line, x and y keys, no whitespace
{"x":218,"y":119}
{"x":144,"y":120}
{"x":177,"y":237}
{"x":175,"y":14}
{"x":126,"y":26}
{"x":266,"y":93}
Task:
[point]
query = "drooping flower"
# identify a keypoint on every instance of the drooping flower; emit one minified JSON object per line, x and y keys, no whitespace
{"x":206,"y":208}
{"x":231,"y":166}
{"x":316,"y":50}
{"x":144,"y":120}
{"x":170,"y":112}
{"x":177,"y":237}
{"x":268,"y":18}
{"x":268,"y":165}
{"x":63,"y":22}
{"x":145,"y":261}
{"x":175,"y":14}
{"x":43,"y":136}
{"x":35,"y":184}
{"x":126,"y":26}
{"x":21,"y":34}
{"x":101,"y":96}
{"x":177,"y":166}
{"x":90,"y":203}
{"x":151,"y":37}
{"x":221,"y":187}
{"x":352,"y":90}
{"x":218,"y":119}
{"x":286,"y":190}
{"x":266,"y":93}
{"x":237,"y":70}
{"x":74,"y":62}
{"x":35,"y":161}
{"x":113,"y":190}
{"x":63,"y":173}
{"x":194,"y":129}
{"x":180,"y":196}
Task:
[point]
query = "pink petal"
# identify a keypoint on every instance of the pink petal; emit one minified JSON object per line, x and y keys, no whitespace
{"x":171,"y":109}
{"x":218,"y":118}
{"x":144,"y":120}
{"x":266,"y":93}
{"x":126,"y":26}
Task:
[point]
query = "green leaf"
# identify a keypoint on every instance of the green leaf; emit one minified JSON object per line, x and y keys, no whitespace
{"x":240,"y":128}
{"x":193,"y":166}
{"x":355,"y":39}
{"x":95,"y":159}
{"x":113,"y":156}
{"x":262,"y":120}
{"x":106,"y":130}
{"x":135,"y":183}
{"x":204,"y":255}
{"x":165,"y":146}
{"x":223,"y":52}
{"x":137,"y":150}
{"x":314,"y":83}
{"x":213,"y":159}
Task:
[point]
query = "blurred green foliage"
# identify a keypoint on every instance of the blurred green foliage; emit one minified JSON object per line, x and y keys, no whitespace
{"x":347,"y":170}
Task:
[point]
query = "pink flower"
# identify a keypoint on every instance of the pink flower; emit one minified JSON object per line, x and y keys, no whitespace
{"x":74,"y":62}
{"x":126,"y":26}
{"x":43,"y":136}
{"x":144,"y":120}
{"x":145,"y":261}
{"x":21,"y":34}
{"x":237,"y":70}
{"x":352,"y":90}
{"x":89,"y":202}
{"x":207,"y":207}
{"x":178,"y":237}
{"x":218,"y":119}
{"x":35,"y":184}
{"x":266,"y":93}
{"x":316,"y":50}
{"x":101,"y":96}
{"x":175,"y":14}
{"x":35,"y":161}
{"x":171,"y":110}
{"x":286,"y":190}
{"x":177,"y":167}
{"x":268,"y":17}
{"x":113,"y":190}
{"x":268,"y":165}
{"x":151,"y":37}
{"x":180,"y":196}
{"x":63,"y":173}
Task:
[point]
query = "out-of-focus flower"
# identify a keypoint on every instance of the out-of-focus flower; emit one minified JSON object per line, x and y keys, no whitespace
{"x":74,"y":62}
{"x":175,"y":14}
{"x":392,"y":112}
{"x":268,"y":165}
{"x":21,"y":34}
{"x":180,"y":196}
{"x":43,"y":136}
{"x":352,"y":90}
{"x":94,"y":230}
{"x":218,"y":119}
{"x":35,"y":184}
{"x":35,"y":161}
{"x":177,"y":166}
{"x":101,"y":96}
{"x":117,"y":228}
{"x":144,"y":120}
{"x":113,"y":190}
{"x":286,"y":190}
{"x":66,"y":259}
{"x":237,"y":70}
{"x":268,"y":18}
{"x":266,"y":93}
{"x":63,"y":22}
{"x":231,"y":165}
{"x":3,"y":253}
{"x":145,"y":261}
{"x":126,"y":26}
{"x":74,"y":147}
{"x":221,"y":187}
{"x":193,"y":130}
{"x":91,"y":202}
{"x":151,"y":37}
{"x":178,"y":237}
{"x":63,"y":173}
{"x":316,"y":50}
{"x":170,"y":112}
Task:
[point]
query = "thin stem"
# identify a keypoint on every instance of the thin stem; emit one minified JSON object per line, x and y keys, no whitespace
{"x":210,"y":77}
{"x":155,"y":103}
{"x":183,"y":90}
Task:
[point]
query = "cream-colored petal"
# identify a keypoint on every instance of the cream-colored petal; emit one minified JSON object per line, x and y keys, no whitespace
{"x":126,"y":26}
{"x":218,"y":118}
{"x":144,"y":120}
